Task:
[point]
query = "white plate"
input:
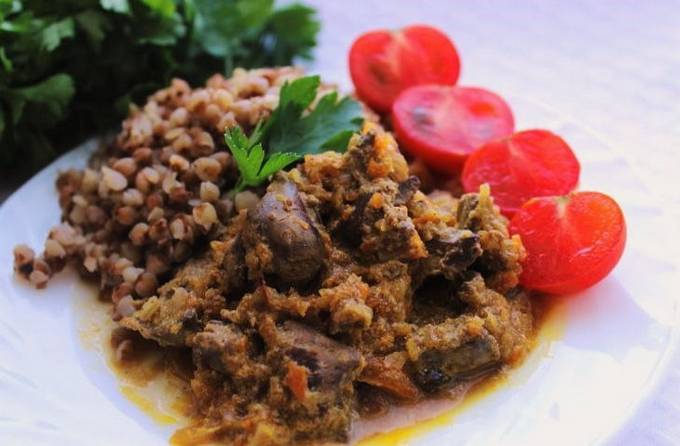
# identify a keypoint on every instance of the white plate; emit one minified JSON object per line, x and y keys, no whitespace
{"x":577,"y":389}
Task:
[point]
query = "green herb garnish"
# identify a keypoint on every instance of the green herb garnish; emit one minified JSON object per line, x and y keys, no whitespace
{"x":328,"y":126}
{"x":250,"y":159}
{"x":293,"y":131}
{"x":63,"y":63}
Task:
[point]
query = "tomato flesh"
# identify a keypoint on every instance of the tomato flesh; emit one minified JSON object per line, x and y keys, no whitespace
{"x":532,"y":163}
{"x":572,"y":241}
{"x":444,"y":124}
{"x":383,"y":63}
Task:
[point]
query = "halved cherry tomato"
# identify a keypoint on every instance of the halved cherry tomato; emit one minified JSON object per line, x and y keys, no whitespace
{"x":572,"y":241}
{"x":443,"y":124}
{"x":383,"y":63}
{"x":532,"y":163}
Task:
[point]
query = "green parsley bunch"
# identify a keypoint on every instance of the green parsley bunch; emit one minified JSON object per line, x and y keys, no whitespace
{"x":70,"y":68}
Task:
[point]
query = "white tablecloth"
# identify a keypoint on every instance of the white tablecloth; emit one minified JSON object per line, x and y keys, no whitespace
{"x":612,"y":66}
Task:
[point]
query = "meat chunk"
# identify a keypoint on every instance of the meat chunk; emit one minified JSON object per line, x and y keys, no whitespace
{"x":477,"y":212}
{"x":451,"y":252}
{"x":407,"y":189}
{"x":450,"y":249}
{"x":167,"y":320}
{"x":500,"y":260}
{"x":508,"y":320}
{"x":281,"y":237}
{"x":452,"y":352}
{"x":473,"y":359}
{"x":318,"y":373}
{"x":331,"y":365}
{"x":381,"y":227}
{"x":346,"y":303}
{"x":368,"y":202}
{"x":387,"y":373}
{"x":194,"y":295}
{"x":226,"y":348}
{"x":390,"y":293}
{"x":374,"y":154}
{"x":233,"y":264}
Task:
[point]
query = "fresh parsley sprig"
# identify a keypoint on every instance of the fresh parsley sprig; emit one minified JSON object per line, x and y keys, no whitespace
{"x":328,"y":126}
{"x":294,"y":129}
{"x":250,"y":158}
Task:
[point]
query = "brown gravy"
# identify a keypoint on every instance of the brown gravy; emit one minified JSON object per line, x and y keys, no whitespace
{"x":156,"y":380}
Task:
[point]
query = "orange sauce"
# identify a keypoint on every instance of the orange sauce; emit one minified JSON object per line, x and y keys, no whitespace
{"x":401,"y":436}
{"x":146,"y":381}
{"x":550,"y":319}
{"x":146,"y":405}
{"x":164,"y":397}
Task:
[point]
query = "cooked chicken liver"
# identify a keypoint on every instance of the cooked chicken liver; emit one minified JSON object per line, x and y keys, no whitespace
{"x":453,"y":351}
{"x":344,"y":276}
{"x":281,"y":235}
{"x":331,"y":364}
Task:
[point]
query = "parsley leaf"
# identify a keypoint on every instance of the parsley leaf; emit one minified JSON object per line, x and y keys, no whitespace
{"x":120,"y":6}
{"x":54,"y":33}
{"x":165,"y":8}
{"x":220,"y":25}
{"x":250,"y":159}
{"x":6,"y":63}
{"x":293,"y":31}
{"x":94,"y":24}
{"x":327,"y":127}
{"x":53,"y":94}
{"x":296,"y":96}
{"x":289,"y":134}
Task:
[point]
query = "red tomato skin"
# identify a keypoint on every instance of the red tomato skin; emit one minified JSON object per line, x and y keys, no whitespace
{"x":383,"y":63}
{"x":454,"y":121}
{"x":528,"y":164}
{"x":572,"y":242}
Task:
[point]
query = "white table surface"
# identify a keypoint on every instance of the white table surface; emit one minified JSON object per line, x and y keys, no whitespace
{"x":611,"y":66}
